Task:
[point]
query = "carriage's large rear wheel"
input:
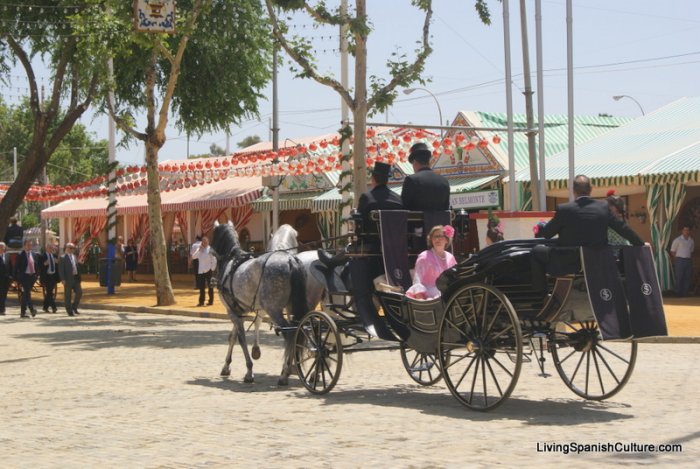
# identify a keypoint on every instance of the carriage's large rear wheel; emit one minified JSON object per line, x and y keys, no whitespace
{"x":591,"y":368}
{"x":423,"y":368}
{"x":480,"y":347}
{"x":318,"y":352}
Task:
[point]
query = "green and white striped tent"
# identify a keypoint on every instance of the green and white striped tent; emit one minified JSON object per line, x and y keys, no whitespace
{"x":659,"y":153}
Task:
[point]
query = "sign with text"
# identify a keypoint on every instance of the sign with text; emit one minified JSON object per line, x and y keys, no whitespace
{"x":478,"y":199}
{"x":154,"y":16}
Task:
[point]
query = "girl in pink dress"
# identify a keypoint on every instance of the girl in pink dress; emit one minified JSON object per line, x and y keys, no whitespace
{"x":431,"y":263}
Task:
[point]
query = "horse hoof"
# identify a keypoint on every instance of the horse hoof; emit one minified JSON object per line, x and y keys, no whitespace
{"x":225,"y":372}
{"x":256,"y":352}
{"x":249,"y":379}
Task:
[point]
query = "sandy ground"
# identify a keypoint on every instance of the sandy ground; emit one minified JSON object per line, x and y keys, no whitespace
{"x":111,"y":389}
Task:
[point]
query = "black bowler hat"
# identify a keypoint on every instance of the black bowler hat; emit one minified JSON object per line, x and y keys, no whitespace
{"x":381,"y":169}
{"x":420,"y":153}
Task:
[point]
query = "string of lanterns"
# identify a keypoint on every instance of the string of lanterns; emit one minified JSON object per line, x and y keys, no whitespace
{"x":386,"y":147}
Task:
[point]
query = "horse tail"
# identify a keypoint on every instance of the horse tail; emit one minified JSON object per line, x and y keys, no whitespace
{"x":299,"y":304}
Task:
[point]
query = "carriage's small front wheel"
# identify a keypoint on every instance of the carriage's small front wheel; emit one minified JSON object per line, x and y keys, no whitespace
{"x":480,"y":346}
{"x":423,"y":368}
{"x":591,"y":368}
{"x":318,"y":352}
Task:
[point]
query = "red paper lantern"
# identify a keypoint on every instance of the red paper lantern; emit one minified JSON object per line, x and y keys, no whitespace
{"x":371,"y":133}
{"x":496,"y":139}
{"x":483,"y":143}
{"x":313,"y":147}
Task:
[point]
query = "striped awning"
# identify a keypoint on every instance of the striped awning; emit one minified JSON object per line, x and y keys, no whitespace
{"x":287,"y":201}
{"x":660,"y":147}
{"x":466,"y":184}
{"x":231,"y":192}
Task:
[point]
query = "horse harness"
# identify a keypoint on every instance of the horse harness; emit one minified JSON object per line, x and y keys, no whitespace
{"x":238,"y":257}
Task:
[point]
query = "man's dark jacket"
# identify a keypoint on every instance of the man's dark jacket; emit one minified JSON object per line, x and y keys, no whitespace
{"x":379,"y":197}
{"x":585,"y":222}
{"x":21,"y":264}
{"x":426,"y":191}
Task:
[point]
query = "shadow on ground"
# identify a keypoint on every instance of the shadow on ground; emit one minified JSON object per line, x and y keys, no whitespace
{"x":528,"y":411}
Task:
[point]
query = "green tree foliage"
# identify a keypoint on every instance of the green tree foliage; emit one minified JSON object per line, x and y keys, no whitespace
{"x":78,"y":157}
{"x":208,"y":75}
{"x":248,"y":141}
{"x":56,"y":33}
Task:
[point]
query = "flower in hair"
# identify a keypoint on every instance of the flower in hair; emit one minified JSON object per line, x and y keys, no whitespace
{"x":610,"y":192}
{"x":449,"y":231}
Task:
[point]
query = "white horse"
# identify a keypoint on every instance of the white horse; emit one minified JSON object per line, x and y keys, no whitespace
{"x":285,"y":239}
{"x":272,"y":282}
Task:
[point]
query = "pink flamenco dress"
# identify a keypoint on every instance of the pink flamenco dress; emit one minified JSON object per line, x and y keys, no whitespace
{"x":428,"y":268}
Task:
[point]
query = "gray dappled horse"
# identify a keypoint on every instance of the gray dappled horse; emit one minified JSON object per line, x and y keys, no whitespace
{"x":285,"y":239}
{"x":271,"y":282}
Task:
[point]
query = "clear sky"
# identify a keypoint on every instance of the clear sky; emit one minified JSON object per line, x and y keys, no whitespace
{"x":649,"y":50}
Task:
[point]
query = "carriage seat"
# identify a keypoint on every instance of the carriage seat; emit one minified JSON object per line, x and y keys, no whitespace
{"x":332,"y":260}
{"x":553,"y":261}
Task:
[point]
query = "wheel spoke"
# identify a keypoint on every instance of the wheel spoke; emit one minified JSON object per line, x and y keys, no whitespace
{"x":476,"y":373}
{"x":567,"y":357}
{"x":498,"y":362}
{"x":573,"y":376}
{"x":610,"y":370}
{"x":597,"y":370}
{"x":466,"y":371}
{"x":611,"y":352}
{"x":495,"y":379}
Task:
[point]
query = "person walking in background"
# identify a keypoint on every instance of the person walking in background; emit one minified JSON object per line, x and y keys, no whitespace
{"x":195,"y":262}
{"x":26,"y":271}
{"x":206,"y":266}
{"x":70,"y":279}
{"x":682,"y":255}
{"x":5,"y":276}
{"x":131,"y":256}
{"x":14,"y":234}
{"x":49,"y":277}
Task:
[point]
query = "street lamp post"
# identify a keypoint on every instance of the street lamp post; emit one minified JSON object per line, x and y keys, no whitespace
{"x":411,"y":90}
{"x":620,"y":96}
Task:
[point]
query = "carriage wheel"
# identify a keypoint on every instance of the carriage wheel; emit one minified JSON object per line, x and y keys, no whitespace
{"x":591,"y":368}
{"x":480,"y":347}
{"x":423,"y":368}
{"x":318,"y":352}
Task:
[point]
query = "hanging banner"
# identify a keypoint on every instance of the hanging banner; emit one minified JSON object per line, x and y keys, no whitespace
{"x":154,"y":16}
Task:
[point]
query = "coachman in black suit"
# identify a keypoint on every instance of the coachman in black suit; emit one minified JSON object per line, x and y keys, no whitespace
{"x":49,"y":277}
{"x":380,"y":197}
{"x":583,"y":222}
{"x":5,"y":276}
{"x":424,"y":190}
{"x":27,"y":267}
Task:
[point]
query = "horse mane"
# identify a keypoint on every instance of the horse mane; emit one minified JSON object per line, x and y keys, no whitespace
{"x":225,"y":241}
{"x":284,"y":239}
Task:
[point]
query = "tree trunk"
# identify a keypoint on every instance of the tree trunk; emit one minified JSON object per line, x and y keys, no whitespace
{"x":28,"y":172}
{"x":159,"y":252}
{"x":360,"y":110}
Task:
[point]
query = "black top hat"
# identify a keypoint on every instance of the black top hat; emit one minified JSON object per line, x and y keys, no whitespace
{"x":420,"y":153}
{"x":381,"y":169}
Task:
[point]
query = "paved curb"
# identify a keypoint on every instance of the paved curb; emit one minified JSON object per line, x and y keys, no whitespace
{"x":156,"y":310}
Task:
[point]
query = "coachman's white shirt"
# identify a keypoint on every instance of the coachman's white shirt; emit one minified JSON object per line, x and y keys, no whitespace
{"x":207,"y":261}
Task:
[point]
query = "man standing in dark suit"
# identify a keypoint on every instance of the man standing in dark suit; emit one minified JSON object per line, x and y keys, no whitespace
{"x":5,"y":276}
{"x":49,"y":277}
{"x":26,"y":270}
{"x":70,"y":278}
{"x":585,"y":222}
{"x":424,"y":190}
{"x":379,"y":197}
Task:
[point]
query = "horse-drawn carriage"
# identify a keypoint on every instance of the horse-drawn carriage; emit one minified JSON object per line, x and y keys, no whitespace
{"x":493,"y":316}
